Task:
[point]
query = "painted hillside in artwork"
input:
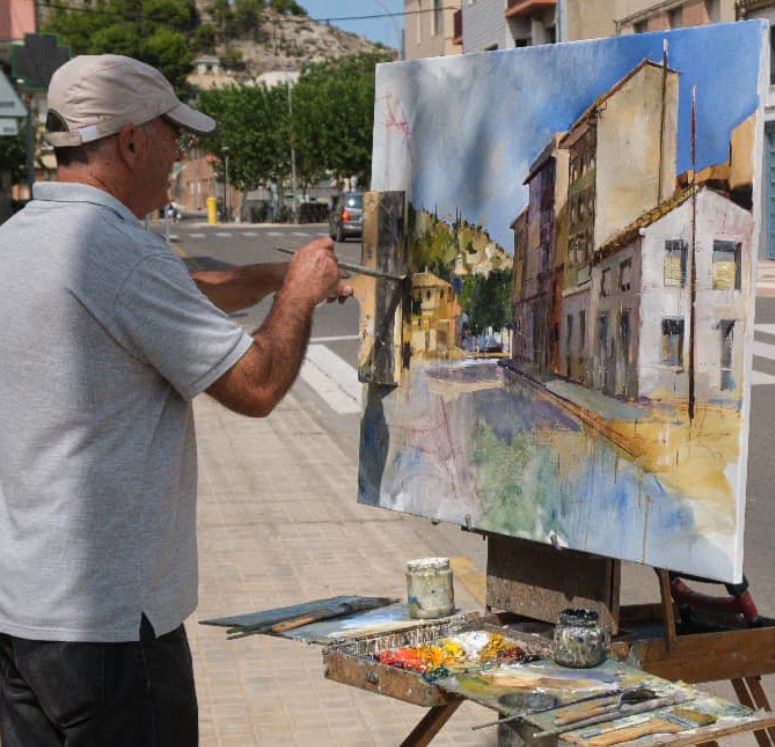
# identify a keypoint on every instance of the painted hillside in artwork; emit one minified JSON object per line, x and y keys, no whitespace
{"x":582,"y":235}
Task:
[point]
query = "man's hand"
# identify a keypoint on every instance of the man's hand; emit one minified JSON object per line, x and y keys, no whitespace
{"x":313,"y":275}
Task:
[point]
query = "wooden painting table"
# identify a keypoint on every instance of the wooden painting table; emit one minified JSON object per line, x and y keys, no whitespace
{"x":349,"y":664}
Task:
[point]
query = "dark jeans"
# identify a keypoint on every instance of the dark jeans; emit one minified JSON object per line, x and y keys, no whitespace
{"x":135,"y":694}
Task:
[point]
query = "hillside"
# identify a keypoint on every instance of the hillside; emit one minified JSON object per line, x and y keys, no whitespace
{"x":283,"y":43}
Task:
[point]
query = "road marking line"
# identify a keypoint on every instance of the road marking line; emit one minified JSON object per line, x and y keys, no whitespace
{"x":196,"y":236}
{"x":333,"y":379}
{"x":223,"y":234}
{"x":305,"y":234}
{"x":471,"y":577}
{"x":251,"y":234}
{"x":334,"y":339}
{"x":768,"y":329}
{"x":275,"y":233}
{"x":762,"y":379}
{"x":764,"y":350}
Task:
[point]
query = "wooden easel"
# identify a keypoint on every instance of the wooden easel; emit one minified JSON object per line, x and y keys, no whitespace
{"x":535,"y":582}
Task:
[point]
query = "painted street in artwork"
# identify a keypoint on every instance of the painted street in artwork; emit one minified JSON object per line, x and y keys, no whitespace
{"x":575,"y":350}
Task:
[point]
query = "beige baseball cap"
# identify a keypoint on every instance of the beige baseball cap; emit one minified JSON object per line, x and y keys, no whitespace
{"x":93,"y":96}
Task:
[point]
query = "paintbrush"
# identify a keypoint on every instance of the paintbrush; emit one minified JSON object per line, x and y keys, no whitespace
{"x":572,"y":714}
{"x":536,"y":711}
{"x":625,"y":710}
{"x":671,"y":722}
{"x":359,"y":269}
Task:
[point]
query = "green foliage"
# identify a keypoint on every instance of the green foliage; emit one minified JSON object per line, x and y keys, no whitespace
{"x":333,"y":117}
{"x":253,"y":125}
{"x":155,"y":31}
{"x":232,"y":58}
{"x":13,"y":155}
{"x":203,"y":39}
{"x":487,"y":300}
{"x":287,"y":7}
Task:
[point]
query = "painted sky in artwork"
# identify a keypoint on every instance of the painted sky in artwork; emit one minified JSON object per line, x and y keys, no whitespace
{"x":471,"y":125}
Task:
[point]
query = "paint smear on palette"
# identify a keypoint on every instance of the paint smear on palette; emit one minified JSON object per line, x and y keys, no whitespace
{"x":385,"y":619}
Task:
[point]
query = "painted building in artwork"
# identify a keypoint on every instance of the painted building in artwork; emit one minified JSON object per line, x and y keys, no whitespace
{"x":435,"y":311}
{"x":537,"y":294}
{"x":651,"y":341}
{"x":429,"y":28}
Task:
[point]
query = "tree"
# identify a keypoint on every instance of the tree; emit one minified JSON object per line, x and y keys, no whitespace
{"x":333,"y":117}
{"x":155,"y":31}
{"x":287,"y":7}
{"x":13,"y":155}
{"x":487,"y":300}
{"x":253,"y":125}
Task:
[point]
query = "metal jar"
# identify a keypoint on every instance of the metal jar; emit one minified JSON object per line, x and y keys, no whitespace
{"x":580,"y":639}
{"x":429,"y":588}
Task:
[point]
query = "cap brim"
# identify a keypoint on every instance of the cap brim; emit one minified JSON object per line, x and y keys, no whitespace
{"x":191,"y":120}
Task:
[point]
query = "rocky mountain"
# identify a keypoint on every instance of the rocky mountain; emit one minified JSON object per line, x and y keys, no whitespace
{"x":282,"y":43}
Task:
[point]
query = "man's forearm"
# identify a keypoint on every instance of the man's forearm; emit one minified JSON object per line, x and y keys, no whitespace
{"x":240,"y":287}
{"x":283,"y":337}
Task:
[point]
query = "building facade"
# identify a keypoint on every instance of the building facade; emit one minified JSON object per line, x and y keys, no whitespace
{"x":504,"y":24}
{"x":429,"y":29}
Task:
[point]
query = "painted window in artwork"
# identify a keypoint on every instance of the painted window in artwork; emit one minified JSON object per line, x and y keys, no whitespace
{"x":676,"y":252}
{"x":673,"y":341}
{"x":726,"y":265}
{"x":726,"y":327}
{"x":624,"y":337}
{"x":624,"y":274}
{"x":605,"y":282}
{"x":582,"y":328}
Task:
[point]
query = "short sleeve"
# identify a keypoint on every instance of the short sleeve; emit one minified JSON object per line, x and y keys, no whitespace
{"x":165,"y":320}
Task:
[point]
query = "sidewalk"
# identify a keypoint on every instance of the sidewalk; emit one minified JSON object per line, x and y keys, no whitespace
{"x":279,"y":524}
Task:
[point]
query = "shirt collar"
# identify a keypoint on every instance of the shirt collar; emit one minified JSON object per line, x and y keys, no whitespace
{"x":74,"y":192}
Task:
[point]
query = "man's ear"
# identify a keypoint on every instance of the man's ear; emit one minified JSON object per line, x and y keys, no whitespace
{"x":131,"y":141}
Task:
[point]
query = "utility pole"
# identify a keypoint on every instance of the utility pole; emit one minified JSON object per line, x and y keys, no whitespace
{"x":226,"y":195}
{"x":293,"y":156}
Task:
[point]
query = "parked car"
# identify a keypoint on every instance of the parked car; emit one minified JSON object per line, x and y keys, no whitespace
{"x":346,"y":218}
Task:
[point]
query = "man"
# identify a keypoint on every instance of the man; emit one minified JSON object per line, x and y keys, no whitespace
{"x":105,"y":339}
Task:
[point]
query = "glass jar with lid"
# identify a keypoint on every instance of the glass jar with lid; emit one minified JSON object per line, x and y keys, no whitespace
{"x":580,"y":639}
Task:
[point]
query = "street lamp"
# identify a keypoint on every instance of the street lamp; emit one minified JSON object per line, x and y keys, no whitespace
{"x":226,"y":195}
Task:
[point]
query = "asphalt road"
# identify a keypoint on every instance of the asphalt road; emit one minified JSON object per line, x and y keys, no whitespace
{"x":335,"y":327}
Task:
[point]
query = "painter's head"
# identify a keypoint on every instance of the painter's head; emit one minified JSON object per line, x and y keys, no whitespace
{"x":94,"y":96}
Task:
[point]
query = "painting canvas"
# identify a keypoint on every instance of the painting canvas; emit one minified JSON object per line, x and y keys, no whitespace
{"x":574,"y":354}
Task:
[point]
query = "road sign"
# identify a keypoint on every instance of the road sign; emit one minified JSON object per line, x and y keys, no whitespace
{"x":8,"y":127}
{"x":34,"y":63}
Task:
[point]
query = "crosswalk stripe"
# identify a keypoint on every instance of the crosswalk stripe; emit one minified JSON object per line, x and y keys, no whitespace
{"x":759,"y":378}
{"x":333,"y":379}
{"x":275,"y":233}
{"x":223,"y":234}
{"x":196,"y":235}
{"x":305,"y":234}
{"x":764,"y":350}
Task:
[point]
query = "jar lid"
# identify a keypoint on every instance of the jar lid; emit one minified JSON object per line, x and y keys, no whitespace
{"x":427,"y":564}
{"x":578,"y":616}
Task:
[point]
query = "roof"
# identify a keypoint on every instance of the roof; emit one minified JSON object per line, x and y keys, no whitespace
{"x":428,"y":280}
{"x":598,"y":102}
{"x":629,"y":232}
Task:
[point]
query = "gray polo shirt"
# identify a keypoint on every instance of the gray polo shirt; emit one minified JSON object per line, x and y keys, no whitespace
{"x":104,"y":340}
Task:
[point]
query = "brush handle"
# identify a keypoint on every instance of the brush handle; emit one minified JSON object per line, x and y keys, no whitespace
{"x":654,"y":725}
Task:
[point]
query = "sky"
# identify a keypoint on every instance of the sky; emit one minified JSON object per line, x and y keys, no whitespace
{"x":386,"y":30}
{"x":460,"y":133}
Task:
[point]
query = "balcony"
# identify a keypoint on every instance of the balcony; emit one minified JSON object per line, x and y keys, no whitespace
{"x":744,"y":7}
{"x":527,"y":8}
{"x":457,"y":25}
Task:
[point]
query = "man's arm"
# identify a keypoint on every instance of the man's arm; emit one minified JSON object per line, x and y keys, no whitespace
{"x":240,"y":287}
{"x":260,"y":379}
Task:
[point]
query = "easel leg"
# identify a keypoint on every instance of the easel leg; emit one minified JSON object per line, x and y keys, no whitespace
{"x":431,"y":724}
{"x":667,"y":607}
{"x":750,"y":693}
